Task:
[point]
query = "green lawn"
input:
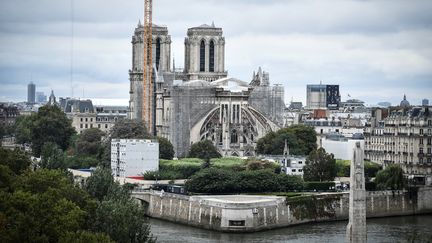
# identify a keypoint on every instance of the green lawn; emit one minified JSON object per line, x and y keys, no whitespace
{"x":219,"y":162}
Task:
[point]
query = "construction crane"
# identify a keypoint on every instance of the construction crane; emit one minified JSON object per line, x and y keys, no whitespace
{"x":148,"y":114}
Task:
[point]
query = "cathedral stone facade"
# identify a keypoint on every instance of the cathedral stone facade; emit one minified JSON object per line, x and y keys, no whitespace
{"x":200,"y":101}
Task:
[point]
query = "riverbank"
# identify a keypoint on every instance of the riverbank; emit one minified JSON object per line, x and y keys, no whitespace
{"x":245,"y":213}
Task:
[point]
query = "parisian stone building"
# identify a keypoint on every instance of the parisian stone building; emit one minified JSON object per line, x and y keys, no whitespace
{"x":404,"y":137}
{"x":200,"y":101}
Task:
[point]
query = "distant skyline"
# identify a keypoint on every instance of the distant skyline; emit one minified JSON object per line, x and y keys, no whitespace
{"x":375,"y":50}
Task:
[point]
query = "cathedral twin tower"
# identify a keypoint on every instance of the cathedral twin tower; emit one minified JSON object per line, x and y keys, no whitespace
{"x":204,"y":60}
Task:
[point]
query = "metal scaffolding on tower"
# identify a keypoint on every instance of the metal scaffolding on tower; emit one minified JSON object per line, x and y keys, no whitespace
{"x":148,"y":115}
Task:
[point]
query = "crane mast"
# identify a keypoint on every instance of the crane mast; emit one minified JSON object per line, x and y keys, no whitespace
{"x":148,"y":89}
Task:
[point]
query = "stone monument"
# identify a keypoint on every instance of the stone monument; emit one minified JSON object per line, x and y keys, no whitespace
{"x":356,"y":229}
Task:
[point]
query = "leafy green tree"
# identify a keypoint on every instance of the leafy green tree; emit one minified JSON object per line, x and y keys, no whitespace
{"x":257,"y":181}
{"x":391,"y":178}
{"x":212,"y":180}
{"x":301,"y":140}
{"x":204,"y":150}
{"x":257,"y":164}
{"x":17,"y":160}
{"x":85,"y":237}
{"x":320,"y":166}
{"x":99,"y":183}
{"x":79,"y":162}
{"x":50,"y":124}
{"x":128,"y":218}
{"x":166,"y":149}
{"x":89,"y":142}
{"x":23,"y":127}
{"x":6,"y":178}
{"x":41,"y":217}
{"x":117,"y":208}
{"x":43,"y":206}
{"x":289,"y":183}
{"x":126,"y":128}
{"x":52,"y":157}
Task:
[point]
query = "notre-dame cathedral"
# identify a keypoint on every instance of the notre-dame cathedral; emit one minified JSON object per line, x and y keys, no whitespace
{"x":200,"y":101}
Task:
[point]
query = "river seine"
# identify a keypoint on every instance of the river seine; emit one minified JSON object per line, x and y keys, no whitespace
{"x":392,"y":229}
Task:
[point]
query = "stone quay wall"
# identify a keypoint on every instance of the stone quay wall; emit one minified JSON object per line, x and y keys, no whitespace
{"x":243,"y":213}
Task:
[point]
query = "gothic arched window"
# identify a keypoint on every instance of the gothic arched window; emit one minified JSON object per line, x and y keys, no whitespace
{"x":158,"y":52}
{"x":202,"y":56}
{"x":234,"y":136}
{"x":211,"y":57}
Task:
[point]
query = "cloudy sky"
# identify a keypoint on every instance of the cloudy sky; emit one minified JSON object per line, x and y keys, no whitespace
{"x":375,"y":50}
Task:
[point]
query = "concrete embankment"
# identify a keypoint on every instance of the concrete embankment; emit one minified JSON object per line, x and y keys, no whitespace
{"x":245,"y":213}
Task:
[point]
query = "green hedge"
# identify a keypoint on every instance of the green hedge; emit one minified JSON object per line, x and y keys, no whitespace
{"x":216,"y":180}
{"x":319,"y":186}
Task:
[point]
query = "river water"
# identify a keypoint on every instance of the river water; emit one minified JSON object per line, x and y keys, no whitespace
{"x":392,"y":229}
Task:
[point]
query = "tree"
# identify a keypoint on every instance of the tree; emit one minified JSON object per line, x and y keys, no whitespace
{"x":166,"y":149}
{"x":116,"y":208}
{"x":85,"y":237}
{"x":42,"y":206}
{"x":50,"y":124}
{"x":127,"y":128}
{"x":41,"y":217}
{"x":301,"y":140}
{"x":320,"y":166}
{"x":99,"y":183}
{"x":52,"y":157}
{"x":391,"y":178}
{"x":212,"y":180}
{"x":204,"y":150}
{"x":89,"y":142}
{"x":17,"y":160}
{"x":128,"y":218}
{"x":23,"y":126}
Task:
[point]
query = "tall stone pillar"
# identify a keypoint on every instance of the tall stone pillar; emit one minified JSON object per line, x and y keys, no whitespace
{"x":356,"y":229}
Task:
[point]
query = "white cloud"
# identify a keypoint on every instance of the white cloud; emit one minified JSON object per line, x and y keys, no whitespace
{"x":375,"y":50}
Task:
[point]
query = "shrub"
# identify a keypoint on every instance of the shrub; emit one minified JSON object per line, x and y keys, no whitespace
{"x":212,"y":180}
{"x":319,"y":186}
{"x":215,"y":180}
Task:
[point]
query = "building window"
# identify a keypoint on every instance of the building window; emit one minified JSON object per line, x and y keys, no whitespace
{"x":421,"y":131}
{"x":91,"y":125}
{"x":236,"y":222}
{"x":429,"y":123}
{"x":86,"y":119}
{"x":293,"y":170}
{"x":421,"y":150}
{"x":234,"y":137}
{"x":98,"y":125}
{"x":106,"y":125}
{"x":81,"y":125}
{"x":429,"y":150}
{"x":81,"y":119}
{"x":202,"y":56}
{"x":300,"y":170}
{"x":158,"y":51}
{"x":91,"y":119}
{"x":421,"y":140}
{"x":211,"y":56}
{"x":86,"y":126}
{"x":429,"y":141}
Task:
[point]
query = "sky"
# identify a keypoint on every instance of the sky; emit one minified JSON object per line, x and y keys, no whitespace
{"x":375,"y":50}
